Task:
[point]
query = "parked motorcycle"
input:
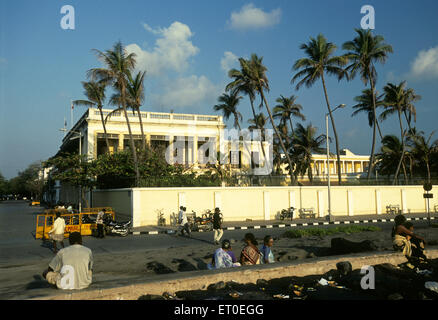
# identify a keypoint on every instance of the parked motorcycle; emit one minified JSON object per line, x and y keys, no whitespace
{"x":287,"y":213}
{"x":116,"y":228}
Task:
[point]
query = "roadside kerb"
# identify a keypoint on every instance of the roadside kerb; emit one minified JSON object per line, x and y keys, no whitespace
{"x":286,"y":225}
{"x":202,"y":279}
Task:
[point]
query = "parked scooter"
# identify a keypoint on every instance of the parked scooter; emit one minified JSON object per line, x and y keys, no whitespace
{"x":287,"y":213}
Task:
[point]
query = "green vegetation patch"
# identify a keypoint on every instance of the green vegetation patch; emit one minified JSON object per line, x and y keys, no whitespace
{"x":308,"y":232}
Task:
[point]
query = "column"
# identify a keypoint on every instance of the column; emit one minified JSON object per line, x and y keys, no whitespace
{"x":148,"y":139}
{"x":217,"y":200}
{"x":195,"y":151}
{"x":121,"y":142}
{"x":378,"y":202}
{"x":266,"y":205}
{"x":320,"y":197}
{"x":350,"y":203}
{"x":170,"y":150}
{"x":292,"y":202}
{"x":404,"y":202}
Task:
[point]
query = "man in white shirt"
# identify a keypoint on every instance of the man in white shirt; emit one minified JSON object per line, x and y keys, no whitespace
{"x":184,"y":223}
{"x":57,"y":232}
{"x":72,"y":267}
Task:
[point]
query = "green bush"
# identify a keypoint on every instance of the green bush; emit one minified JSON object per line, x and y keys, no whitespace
{"x":308,"y":232}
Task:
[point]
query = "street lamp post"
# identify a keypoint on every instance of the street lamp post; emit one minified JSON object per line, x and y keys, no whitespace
{"x":328,"y":161}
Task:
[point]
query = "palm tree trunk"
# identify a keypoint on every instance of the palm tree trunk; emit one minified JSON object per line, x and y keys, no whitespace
{"x":143,"y":138}
{"x":403,"y":146}
{"x":291,"y":126}
{"x":131,"y":140}
{"x":104,"y":129}
{"x":335,"y":133}
{"x":371,"y":164}
{"x":380,"y":131}
{"x":279,"y":137}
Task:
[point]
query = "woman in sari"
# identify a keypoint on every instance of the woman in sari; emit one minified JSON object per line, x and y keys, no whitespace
{"x":250,"y":253}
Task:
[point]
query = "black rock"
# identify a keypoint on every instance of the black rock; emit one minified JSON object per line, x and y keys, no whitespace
{"x":262,"y":283}
{"x":151,"y":297}
{"x":344,"y":246}
{"x":158,"y":268}
{"x":344,"y":267}
{"x":216,"y":286}
{"x":395,"y":296}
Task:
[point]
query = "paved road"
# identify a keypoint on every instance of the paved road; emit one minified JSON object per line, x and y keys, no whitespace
{"x":17,"y":243}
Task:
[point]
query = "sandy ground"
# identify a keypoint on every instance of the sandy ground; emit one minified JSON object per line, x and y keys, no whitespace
{"x":24,"y":280}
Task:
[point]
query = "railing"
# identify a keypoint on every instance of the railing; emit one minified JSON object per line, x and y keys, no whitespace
{"x":160,"y":116}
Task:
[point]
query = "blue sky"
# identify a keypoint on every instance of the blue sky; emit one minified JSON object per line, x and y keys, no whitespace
{"x":184,"y":47}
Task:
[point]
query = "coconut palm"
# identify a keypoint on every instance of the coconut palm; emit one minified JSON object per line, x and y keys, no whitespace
{"x":287,"y":108}
{"x":135,"y":98}
{"x":305,"y":143}
{"x":422,"y":148}
{"x":399,"y":100}
{"x":242,"y":83}
{"x":363,"y":52}
{"x":389,"y":155}
{"x":255,"y":73}
{"x":119,"y":65}
{"x":365,"y":104}
{"x":228,"y":106}
{"x":95,"y":92}
{"x":320,"y":61}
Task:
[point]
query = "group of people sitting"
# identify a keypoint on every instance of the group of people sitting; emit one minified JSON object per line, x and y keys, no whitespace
{"x":250,"y":254}
{"x":405,"y":240}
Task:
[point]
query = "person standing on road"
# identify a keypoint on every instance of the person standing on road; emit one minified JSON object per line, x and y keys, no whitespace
{"x":57,"y":232}
{"x":72,"y":267}
{"x":99,"y":222}
{"x":184,"y":223}
{"x":217,"y":226}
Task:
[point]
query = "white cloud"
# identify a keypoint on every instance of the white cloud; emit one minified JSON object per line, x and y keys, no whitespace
{"x":229,"y":61}
{"x":250,"y":17}
{"x":171,"y":52}
{"x":425,"y":64}
{"x":187,"y":92}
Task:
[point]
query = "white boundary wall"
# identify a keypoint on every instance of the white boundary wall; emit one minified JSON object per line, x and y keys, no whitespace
{"x":260,"y":203}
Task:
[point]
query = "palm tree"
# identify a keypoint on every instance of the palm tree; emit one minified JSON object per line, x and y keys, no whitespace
{"x":364,"y":51}
{"x":365,"y":104}
{"x":119,"y":65}
{"x":242,"y":83}
{"x":255,"y":72}
{"x":287,"y":108}
{"x":228,"y":106}
{"x":305,"y":143}
{"x":389,"y":155}
{"x":399,"y":100}
{"x":95,"y":92}
{"x":320,"y":61}
{"x":422,"y":149}
{"x":135,"y":98}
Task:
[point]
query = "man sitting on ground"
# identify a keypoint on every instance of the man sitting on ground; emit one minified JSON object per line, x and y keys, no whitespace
{"x":72,"y":267}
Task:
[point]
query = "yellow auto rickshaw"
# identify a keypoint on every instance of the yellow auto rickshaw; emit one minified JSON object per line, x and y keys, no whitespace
{"x":34,"y":203}
{"x":84,"y":222}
